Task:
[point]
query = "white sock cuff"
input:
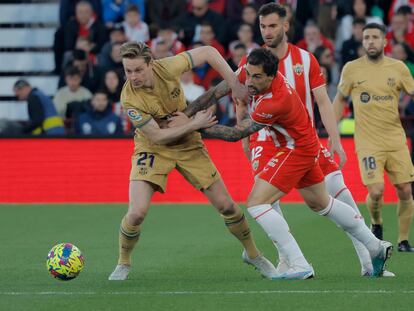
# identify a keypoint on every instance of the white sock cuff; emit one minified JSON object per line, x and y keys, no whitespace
{"x":327,"y":209}
{"x":259,"y":210}
{"x":335,"y":184}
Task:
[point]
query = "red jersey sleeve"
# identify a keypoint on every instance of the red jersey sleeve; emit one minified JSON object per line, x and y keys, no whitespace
{"x":316,"y":78}
{"x":241,"y":74}
{"x":265,"y":112}
{"x":272,"y":106}
{"x":243,"y":61}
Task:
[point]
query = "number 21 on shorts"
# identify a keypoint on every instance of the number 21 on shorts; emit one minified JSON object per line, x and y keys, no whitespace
{"x":145,"y":158}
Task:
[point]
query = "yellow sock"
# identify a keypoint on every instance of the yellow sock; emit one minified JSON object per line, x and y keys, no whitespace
{"x":375,"y":208}
{"x":238,"y":226}
{"x":405,"y":209}
{"x":128,"y":237}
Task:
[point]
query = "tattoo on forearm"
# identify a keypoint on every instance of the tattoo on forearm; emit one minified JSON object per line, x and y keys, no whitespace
{"x":208,"y":99}
{"x":221,"y":89}
{"x":200,"y":103}
{"x":227,"y":133}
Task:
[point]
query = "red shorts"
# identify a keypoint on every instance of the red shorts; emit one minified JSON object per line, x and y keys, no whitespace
{"x":288,"y":170}
{"x":326,"y":163}
{"x":263,"y":151}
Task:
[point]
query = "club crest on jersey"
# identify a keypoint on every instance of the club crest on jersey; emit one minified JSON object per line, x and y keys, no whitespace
{"x":175,"y":93}
{"x":134,"y":115}
{"x":298,"y":69}
{"x":391,"y":82}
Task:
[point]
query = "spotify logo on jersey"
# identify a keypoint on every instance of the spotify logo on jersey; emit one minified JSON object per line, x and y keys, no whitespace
{"x":365,"y":97}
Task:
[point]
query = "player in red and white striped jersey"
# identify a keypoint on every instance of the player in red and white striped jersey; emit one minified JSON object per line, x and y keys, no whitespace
{"x":277,"y":107}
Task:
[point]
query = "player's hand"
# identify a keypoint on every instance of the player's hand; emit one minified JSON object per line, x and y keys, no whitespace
{"x":204,"y":119}
{"x":178,"y":118}
{"x":335,"y":147}
{"x":163,"y":124}
{"x":239,"y":91}
{"x":212,"y":109}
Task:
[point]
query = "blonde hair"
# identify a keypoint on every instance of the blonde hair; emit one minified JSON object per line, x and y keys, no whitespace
{"x":133,"y":50}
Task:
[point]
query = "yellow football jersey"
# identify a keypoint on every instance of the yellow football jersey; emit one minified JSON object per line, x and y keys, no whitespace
{"x":375,"y":90}
{"x":165,"y":98}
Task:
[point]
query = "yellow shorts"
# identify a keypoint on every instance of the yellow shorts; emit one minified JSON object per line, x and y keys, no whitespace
{"x":397,"y":164}
{"x":195,"y":166}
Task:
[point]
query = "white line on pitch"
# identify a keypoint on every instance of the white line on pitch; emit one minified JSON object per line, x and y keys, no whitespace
{"x":172,"y":293}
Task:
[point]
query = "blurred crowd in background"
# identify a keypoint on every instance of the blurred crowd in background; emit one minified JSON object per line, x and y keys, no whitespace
{"x":87,"y":46}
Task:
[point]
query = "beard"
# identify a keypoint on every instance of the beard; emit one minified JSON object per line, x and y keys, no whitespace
{"x":374,"y":55}
{"x":252,"y":91}
{"x":276,"y":41}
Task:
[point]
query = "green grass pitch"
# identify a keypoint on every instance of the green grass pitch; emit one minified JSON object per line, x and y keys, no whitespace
{"x":186,"y":260}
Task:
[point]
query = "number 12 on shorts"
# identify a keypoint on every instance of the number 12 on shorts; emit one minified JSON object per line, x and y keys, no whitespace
{"x":144,"y":157}
{"x":369,"y":163}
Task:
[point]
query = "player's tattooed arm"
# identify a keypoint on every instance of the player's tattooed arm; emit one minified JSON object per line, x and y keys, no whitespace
{"x":208,"y":99}
{"x":245,"y":128}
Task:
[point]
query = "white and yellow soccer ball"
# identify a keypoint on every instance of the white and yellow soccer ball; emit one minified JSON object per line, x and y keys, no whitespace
{"x":65,"y":261}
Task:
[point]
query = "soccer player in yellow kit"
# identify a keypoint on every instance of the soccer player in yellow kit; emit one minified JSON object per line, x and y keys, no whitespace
{"x":151,"y":94}
{"x":374,"y":83}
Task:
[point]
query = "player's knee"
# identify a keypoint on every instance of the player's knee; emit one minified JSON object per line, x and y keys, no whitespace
{"x":404,"y":191}
{"x":376,"y":193}
{"x":227,"y":208}
{"x":256,"y":198}
{"x":315,"y":205}
{"x":135,"y":217}
{"x":376,"y":196}
{"x":252,"y":201}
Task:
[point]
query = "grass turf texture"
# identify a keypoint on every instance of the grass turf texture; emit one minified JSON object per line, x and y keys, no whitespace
{"x":186,"y":260}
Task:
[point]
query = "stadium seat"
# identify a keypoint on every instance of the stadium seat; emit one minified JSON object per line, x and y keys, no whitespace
{"x":27,"y":62}
{"x":17,"y":57}
{"x":29,"y":13}
{"x":13,"y":110}
{"x":26,"y":37}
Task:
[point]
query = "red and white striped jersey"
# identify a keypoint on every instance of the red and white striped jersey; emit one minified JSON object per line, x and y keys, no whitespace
{"x":302,"y":71}
{"x":281,"y":109}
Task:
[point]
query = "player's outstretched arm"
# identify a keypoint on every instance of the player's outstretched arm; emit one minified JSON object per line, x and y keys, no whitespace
{"x":241,"y":130}
{"x":207,"y":99}
{"x":210,"y":55}
{"x":162,"y":136}
{"x":328,"y":119}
